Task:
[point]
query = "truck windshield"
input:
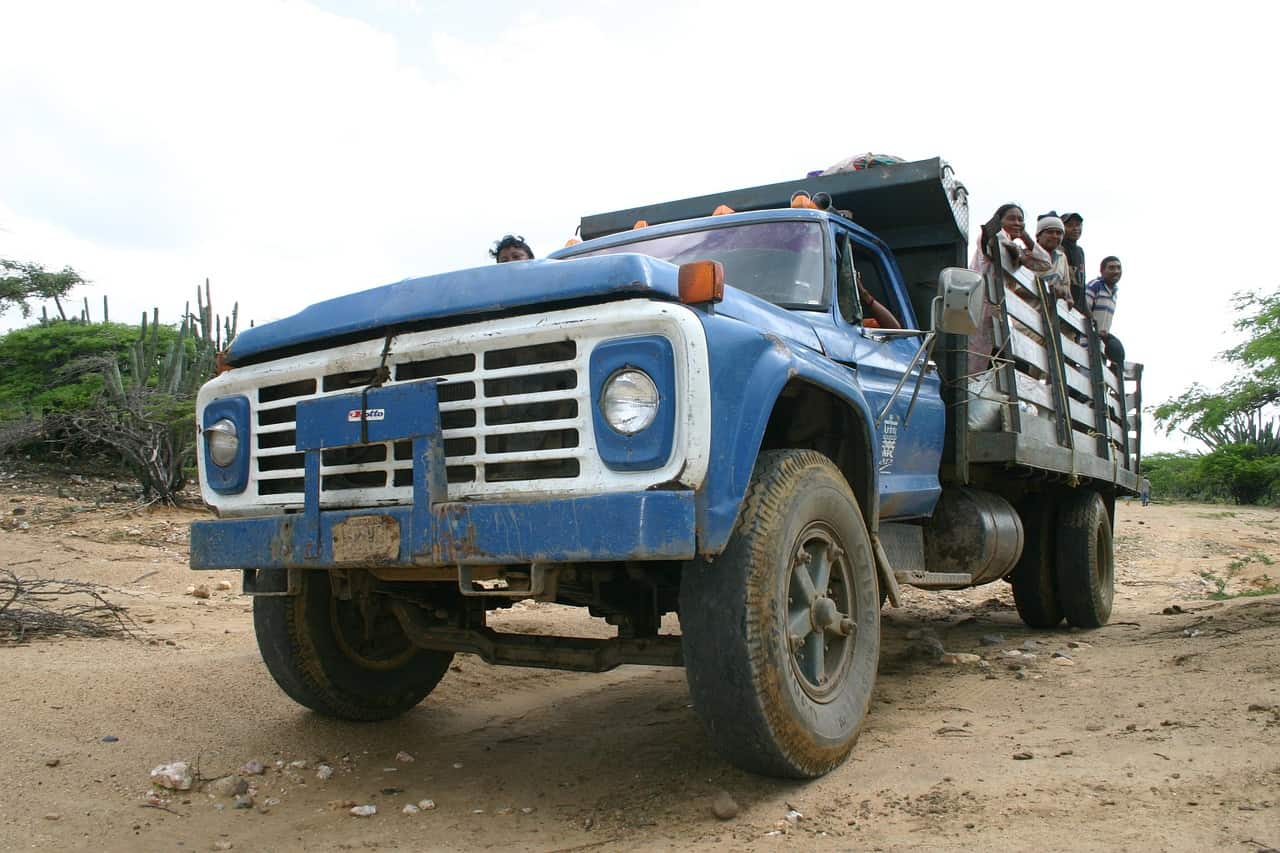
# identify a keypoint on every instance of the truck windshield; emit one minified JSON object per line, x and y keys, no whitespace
{"x":781,"y":262}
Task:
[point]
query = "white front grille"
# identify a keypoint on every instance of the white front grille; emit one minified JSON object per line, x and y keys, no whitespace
{"x":515,"y":408}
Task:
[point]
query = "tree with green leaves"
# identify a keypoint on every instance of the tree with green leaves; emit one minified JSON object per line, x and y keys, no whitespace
{"x":21,"y":282}
{"x":1240,"y":421}
{"x":1244,"y":410}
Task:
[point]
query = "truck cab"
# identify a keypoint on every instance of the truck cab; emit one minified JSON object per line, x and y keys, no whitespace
{"x":790,"y":273}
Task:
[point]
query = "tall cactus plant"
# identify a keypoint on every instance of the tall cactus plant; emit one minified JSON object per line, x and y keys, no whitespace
{"x":149,"y":411}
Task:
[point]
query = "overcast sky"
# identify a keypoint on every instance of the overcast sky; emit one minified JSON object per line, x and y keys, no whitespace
{"x":295,"y":151}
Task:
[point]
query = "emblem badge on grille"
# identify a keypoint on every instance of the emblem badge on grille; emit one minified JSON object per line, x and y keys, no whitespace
{"x":353,"y":415}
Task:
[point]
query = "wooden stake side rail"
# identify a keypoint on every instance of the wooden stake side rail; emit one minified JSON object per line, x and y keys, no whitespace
{"x":1068,"y":410}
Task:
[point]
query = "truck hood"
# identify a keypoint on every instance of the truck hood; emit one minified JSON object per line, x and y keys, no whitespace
{"x":795,"y":326}
{"x":483,"y":290}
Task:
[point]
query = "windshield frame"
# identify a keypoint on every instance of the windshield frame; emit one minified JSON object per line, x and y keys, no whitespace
{"x":719,"y":223}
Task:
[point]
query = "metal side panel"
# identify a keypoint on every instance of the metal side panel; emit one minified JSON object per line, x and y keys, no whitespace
{"x":903,"y":545}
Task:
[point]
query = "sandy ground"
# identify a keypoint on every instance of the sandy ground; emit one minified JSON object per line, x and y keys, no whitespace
{"x":1163,"y":732}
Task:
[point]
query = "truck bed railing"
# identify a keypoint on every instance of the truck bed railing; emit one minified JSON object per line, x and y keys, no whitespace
{"x":1050,"y":399}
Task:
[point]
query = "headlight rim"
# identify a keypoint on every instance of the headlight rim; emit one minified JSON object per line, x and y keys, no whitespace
{"x":223,"y":427}
{"x":653,"y":410}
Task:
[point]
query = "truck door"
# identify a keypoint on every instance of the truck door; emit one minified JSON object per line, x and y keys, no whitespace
{"x":908,"y":451}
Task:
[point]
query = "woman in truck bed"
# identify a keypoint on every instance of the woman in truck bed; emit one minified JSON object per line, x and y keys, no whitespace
{"x":1008,"y":226}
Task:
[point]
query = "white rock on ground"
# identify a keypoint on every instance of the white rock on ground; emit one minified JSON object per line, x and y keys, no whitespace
{"x":960,"y":658}
{"x":364,"y":811}
{"x":176,"y":776}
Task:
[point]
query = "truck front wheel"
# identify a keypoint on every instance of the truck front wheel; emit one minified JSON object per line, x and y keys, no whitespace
{"x":781,"y":632}
{"x":1085,"y":563}
{"x":340,"y":659}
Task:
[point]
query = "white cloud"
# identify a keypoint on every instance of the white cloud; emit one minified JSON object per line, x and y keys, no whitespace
{"x":292,"y":154}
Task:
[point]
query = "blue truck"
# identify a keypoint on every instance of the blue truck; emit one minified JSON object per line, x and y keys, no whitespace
{"x":691,"y":417}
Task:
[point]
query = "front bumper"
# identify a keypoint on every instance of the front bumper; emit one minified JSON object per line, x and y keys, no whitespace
{"x":657,"y":525}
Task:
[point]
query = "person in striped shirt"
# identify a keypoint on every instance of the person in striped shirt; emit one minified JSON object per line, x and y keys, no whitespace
{"x":1100,"y":297}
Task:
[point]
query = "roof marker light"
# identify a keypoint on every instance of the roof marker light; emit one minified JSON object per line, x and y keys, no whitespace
{"x":800,"y":199}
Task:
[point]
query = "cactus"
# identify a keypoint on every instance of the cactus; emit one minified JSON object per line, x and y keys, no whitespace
{"x":149,"y":410}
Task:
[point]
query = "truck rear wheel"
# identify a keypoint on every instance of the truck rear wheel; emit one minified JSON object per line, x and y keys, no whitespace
{"x":331,"y":657}
{"x":781,"y":632}
{"x":1033,"y":579}
{"x":1085,"y":560}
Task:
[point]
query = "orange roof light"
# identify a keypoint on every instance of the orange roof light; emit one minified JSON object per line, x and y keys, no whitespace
{"x":722,"y":209}
{"x":640,"y":223}
{"x":701,"y":282}
{"x":572,"y":241}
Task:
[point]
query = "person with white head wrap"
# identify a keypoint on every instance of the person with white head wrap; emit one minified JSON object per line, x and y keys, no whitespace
{"x":1056,"y":279}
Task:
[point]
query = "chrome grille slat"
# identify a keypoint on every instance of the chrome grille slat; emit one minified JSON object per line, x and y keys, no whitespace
{"x":536,"y":397}
{"x":516,"y":456}
{"x":480,"y":430}
{"x":267,"y":452}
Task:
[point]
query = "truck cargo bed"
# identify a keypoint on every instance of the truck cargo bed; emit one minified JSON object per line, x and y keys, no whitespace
{"x":1052,"y":401}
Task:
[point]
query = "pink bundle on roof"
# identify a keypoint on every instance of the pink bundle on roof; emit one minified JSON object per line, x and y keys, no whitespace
{"x":862,"y":161}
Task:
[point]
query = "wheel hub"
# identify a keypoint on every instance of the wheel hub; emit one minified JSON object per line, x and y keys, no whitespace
{"x":819,"y":607}
{"x":824,"y":614}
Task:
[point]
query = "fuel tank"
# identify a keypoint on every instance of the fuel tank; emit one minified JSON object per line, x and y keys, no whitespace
{"x":974,"y":532}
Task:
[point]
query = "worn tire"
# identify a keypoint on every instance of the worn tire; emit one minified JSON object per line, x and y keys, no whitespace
{"x":775,"y":701}
{"x":1034,"y":578}
{"x":1085,"y":560}
{"x":313,"y":647}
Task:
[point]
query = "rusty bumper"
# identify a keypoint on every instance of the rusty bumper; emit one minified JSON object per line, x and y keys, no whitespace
{"x":632,"y":526}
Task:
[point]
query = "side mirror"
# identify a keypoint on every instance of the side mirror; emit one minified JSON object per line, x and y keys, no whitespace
{"x":959,"y":303}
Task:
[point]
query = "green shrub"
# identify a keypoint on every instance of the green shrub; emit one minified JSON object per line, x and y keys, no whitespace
{"x":1176,"y":476}
{"x":38,"y":365}
{"x":1242,"y":474}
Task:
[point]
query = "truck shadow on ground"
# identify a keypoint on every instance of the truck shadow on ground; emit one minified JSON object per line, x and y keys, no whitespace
{"x":494,"y":739}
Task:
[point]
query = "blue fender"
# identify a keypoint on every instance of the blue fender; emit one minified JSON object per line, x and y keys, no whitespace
{"x":749,"y":369}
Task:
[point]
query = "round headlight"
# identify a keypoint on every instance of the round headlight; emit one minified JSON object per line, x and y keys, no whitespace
{"x":224,"y":444}
{"x":629,"y":401}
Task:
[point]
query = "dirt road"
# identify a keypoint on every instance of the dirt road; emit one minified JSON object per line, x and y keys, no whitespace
{"x":1158,"y":732}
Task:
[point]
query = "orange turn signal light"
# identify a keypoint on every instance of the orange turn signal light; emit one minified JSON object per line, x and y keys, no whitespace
{"x":640,"y":223}
{"x":572,"y":241}
{"x":721,"y":210}
{"x":701,"y":282}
